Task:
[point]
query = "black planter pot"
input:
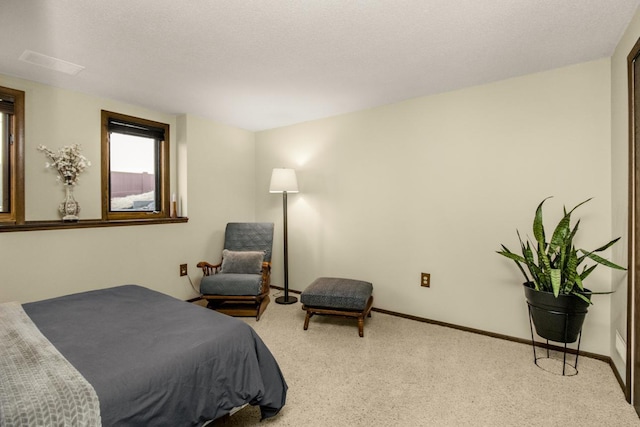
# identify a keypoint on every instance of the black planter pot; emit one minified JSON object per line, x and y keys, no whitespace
{"x":556,"y":319}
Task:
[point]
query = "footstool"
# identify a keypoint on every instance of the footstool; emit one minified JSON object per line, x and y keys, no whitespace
{"x":338,"y":297}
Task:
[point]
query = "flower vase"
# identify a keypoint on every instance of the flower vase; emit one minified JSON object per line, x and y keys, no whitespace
{"x":69,"y":208}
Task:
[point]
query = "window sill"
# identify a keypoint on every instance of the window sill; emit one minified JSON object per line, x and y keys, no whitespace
{"x":85,"y":223}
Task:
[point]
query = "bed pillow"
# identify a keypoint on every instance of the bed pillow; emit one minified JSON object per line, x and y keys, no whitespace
{"x":249,"y":262}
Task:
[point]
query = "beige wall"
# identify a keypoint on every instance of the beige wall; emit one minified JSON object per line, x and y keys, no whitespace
{"x":620,"y":185}
{"x":436,"y":184}
{"x":221,"y":180}
{"x":212,"y":163}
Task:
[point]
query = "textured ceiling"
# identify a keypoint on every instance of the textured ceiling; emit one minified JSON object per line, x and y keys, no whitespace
{"x":264,"y":64}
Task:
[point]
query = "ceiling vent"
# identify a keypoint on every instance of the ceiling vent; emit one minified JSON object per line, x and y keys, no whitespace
{"x":50,"y":62}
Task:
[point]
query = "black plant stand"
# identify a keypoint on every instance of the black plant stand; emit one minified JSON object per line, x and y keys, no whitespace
{"x":564,"y":356}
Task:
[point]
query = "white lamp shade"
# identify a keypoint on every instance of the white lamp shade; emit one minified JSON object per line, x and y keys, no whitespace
{"x":283,"y":180}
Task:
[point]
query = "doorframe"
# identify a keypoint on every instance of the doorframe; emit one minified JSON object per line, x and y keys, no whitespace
{"x":632,"y":381}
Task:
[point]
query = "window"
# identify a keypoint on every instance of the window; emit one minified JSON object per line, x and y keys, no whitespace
{"x":135,"y":168}
{"x":11,"y":155}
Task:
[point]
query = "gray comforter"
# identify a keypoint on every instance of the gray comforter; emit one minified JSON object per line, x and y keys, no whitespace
{"x":155,"y":360}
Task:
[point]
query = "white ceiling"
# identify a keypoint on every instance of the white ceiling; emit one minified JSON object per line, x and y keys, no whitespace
{"x":259,"y":64}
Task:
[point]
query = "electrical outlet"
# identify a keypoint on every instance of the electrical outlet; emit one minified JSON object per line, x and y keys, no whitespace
{"x":183,"y":270}
{"x":425,"y":280}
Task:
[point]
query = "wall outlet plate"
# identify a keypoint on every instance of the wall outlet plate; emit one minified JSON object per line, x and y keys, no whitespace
{"x":425,"y":280}
{"x":183,"y":270}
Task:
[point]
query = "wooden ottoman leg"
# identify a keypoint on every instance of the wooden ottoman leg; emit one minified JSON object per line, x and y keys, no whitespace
{"x":306,"y":319}
{"x":361,"y":325}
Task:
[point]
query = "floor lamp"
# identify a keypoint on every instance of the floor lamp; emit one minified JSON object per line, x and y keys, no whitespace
{"x":284,"y":181}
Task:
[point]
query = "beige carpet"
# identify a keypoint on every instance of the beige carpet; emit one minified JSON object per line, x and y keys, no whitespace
{"x":407,"y":373}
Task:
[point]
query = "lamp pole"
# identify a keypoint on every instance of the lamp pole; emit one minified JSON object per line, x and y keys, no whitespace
{"x":286,"y":299}
{"x":284,"y":181}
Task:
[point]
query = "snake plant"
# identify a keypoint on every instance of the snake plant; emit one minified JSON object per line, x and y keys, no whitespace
{"x":554,"y":265}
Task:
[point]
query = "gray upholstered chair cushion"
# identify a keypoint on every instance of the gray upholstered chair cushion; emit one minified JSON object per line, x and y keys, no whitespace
{"x":248,"y":262}
{"x":333,"y":292}
{"x":249,"y":236}
{"x":231,"y":284}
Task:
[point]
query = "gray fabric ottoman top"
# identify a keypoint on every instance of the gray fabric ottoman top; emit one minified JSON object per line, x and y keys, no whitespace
{"x":333,"y":292}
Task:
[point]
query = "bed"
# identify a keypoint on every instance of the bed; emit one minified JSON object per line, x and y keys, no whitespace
{"x":156,"y":360}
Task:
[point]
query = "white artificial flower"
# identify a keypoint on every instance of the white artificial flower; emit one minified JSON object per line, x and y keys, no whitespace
{"x":68,"y":162}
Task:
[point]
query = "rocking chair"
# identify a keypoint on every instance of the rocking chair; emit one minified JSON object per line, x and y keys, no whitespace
{"x":239,"y":284}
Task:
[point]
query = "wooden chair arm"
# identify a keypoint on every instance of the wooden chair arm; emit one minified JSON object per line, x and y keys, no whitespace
{"x":209,"y":269}
{"x":266,"y":276}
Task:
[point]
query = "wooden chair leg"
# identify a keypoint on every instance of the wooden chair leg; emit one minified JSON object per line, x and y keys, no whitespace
{"x":262,"y":307}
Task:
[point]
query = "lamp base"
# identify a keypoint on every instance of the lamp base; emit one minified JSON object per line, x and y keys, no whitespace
{"x":286,"y":300}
